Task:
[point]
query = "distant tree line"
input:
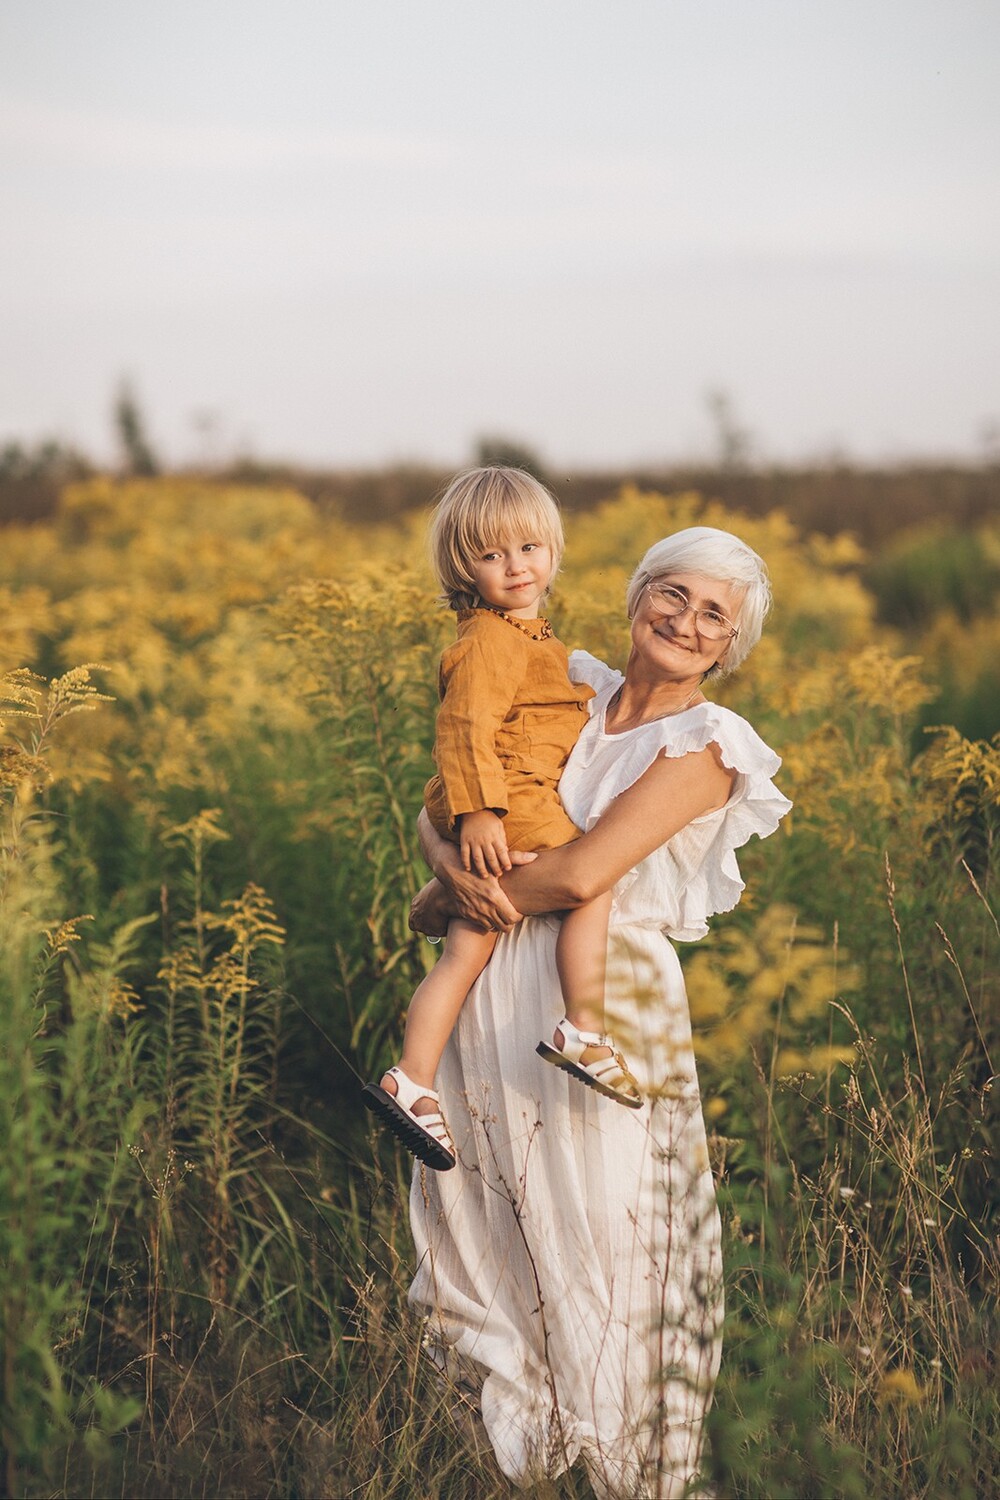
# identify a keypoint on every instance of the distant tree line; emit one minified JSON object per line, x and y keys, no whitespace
{"x":873,"y":503}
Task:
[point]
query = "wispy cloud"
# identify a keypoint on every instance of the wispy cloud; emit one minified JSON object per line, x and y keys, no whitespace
{"x":33,"y":131}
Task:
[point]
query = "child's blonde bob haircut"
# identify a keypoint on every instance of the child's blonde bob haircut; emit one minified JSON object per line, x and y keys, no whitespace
{"x":480,"y":509}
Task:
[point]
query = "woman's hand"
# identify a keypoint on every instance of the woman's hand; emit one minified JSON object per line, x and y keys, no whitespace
{"x":481,"y":899}
{"x":477,"y":899}
{"x":460,"y":893}
{"x":429,"y":912}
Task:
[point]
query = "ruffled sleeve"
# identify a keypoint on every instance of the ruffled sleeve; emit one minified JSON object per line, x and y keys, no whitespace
{"x":695,"y":874}
{"x":596,"y":674}
{"x":710,"y":874}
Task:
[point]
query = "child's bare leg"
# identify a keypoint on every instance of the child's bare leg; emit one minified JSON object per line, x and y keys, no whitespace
{"x":579,"y":1043}
{"x":581,"y":959}
{"x":436,"y":1003}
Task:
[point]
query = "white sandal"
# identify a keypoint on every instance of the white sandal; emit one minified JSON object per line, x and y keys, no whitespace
{"x":427,"y":1136}
{"x":610,"y":1076}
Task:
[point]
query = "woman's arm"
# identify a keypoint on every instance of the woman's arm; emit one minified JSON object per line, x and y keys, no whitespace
{"x":478,"y":898}
{"x":666,"y":797}
{"x":664,"y":800}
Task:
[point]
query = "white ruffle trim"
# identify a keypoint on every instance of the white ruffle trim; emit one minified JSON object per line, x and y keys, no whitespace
{"x":755,"y":806}
{"x":595,"y":673}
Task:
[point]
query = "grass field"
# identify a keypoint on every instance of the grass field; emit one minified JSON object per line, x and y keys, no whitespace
{"x":217,"y":713}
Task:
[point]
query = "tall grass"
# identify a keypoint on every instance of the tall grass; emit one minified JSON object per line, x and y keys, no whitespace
{"x":204,"y":1255}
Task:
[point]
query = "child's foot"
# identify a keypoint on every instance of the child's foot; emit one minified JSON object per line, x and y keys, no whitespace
{"x":594,"y":1060}
{"x":413,"y":1114}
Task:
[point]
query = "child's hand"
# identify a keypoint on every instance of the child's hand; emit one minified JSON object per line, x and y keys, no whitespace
{"x":483,"y":843}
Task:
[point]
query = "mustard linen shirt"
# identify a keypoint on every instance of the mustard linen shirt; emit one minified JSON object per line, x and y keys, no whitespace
{"x":509,"y":718}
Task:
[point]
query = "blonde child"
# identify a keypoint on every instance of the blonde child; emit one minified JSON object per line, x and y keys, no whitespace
{"x":508,"y":720}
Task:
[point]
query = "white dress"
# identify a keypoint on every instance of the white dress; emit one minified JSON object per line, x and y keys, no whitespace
{"x":570,"y":1265}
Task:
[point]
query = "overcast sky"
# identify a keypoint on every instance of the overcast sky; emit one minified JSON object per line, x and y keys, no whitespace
{"x":352,"y":231}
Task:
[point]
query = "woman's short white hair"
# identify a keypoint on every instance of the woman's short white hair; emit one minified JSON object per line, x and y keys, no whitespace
{"x":720,"y":556}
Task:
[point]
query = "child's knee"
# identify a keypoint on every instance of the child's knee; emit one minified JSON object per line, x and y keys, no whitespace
{"x":468,"y":952}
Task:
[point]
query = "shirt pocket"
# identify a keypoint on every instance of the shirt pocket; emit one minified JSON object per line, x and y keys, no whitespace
{"x":550,"y":734}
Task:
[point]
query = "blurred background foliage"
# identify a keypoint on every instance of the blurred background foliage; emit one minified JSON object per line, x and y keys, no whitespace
{"x":203,"y":893}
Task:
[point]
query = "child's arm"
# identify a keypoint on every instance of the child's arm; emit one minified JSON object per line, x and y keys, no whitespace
{"x":432,"y":907}
{"x":668,"y":795}
{"x":480,"y":677}
{"x":483,"y":843}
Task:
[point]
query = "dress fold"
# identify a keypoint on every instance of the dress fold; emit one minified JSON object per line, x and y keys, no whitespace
{"x":570,"y":1268}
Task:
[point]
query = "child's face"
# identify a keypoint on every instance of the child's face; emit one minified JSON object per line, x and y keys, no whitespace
{"x":513,"y":575}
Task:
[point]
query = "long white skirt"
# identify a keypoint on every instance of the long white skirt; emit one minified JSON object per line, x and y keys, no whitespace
{"x":570,"y":1265}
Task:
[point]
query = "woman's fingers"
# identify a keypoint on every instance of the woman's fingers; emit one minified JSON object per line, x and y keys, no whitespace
{"x":499,"y":914}
{"x":482,"y":901}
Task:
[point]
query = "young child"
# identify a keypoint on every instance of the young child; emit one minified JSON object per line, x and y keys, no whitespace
{"x":508,"y":720}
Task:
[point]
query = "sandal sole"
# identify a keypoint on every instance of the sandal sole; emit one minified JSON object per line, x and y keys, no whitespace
{"x":420,"y":1142}
{"x":552,"y":1055}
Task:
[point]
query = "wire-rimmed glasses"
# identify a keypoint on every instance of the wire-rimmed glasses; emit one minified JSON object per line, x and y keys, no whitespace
{"x":710,"y":623}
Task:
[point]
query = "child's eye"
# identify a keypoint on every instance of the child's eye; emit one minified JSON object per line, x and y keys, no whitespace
{"x":530,"y":546}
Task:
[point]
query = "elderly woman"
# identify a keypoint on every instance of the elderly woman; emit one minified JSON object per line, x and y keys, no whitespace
{"x":571,"y":1266}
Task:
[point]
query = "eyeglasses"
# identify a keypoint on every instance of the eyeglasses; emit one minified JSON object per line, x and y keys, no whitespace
{"x":708,"y":622}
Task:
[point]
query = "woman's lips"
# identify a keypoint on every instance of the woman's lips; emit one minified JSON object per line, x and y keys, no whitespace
{"x":671,"y":640}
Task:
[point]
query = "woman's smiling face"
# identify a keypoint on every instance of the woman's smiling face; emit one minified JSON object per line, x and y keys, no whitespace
{"x":673,"y":645}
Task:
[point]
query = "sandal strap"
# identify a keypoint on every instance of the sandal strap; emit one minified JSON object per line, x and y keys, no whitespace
{"x":609,"y":1073}
{"x":408,"y":1092}
{"x":434,"y":1122}
{"x":602,"y":1067}
{"x":572,"y":1036}
{"x":435,"y":1126}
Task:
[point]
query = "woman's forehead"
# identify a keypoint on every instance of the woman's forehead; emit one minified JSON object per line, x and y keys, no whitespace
{"x":699,"y":586}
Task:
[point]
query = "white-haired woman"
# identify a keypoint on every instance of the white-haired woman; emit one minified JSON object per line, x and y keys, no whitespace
{"x":571,"y":1267}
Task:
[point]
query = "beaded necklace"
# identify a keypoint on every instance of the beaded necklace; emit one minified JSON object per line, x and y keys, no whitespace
{"x":544,"y":631}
